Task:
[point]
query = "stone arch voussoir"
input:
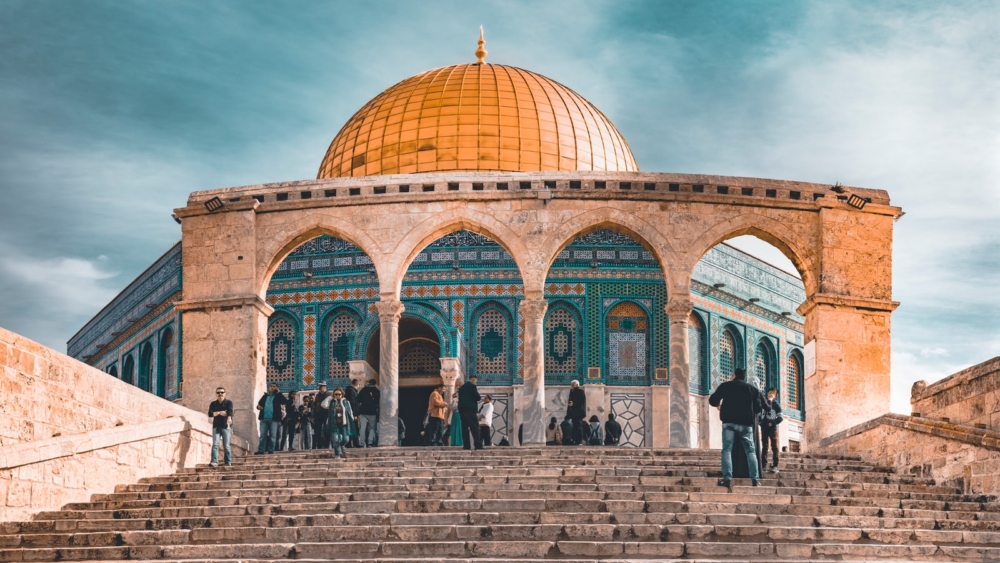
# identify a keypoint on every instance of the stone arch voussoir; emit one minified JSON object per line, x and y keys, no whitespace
{"x":271,"y":250}
{"x":799,"y":250}
{"x":441,"y":224}
{"x":617,"y":220}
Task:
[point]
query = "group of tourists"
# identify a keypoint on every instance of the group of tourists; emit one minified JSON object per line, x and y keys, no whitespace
{"x":337,"y":419}
{"x":751,"y":417}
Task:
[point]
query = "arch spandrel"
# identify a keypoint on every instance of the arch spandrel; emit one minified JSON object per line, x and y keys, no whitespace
{"x":436,"y":226}
{"x":613,"y":219}
{"x":802,"y":252}
{"x":272,"y":250}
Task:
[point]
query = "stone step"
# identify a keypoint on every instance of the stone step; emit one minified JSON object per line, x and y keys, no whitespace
{"x":383,"y":550}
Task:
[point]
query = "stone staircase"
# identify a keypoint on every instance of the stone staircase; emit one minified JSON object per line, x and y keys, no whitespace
{"x":513,"y":504}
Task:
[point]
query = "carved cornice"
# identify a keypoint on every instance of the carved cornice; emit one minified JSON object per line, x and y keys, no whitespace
{"x":390,"y":311}
{"x":228,"y":303}
{"x":533,"y":310}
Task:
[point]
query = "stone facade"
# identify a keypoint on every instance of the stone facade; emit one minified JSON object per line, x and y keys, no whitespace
{"x":953,"y":455}
{"x":842,"y":253}
{"x":970,"y":397}
{"x":68,"y":431}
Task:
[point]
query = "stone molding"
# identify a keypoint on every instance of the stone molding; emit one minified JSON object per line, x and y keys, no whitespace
{"x":818,"y":299}
{"x":390,"y":311}
{"x":227,"y":303}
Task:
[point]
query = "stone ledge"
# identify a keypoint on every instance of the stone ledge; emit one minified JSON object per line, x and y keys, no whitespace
{"x":846,"y":301}
{"x":967,"y":434}
{"x":73,"y":444}
{"x":968,"y":374}
{"x":230,"y":303}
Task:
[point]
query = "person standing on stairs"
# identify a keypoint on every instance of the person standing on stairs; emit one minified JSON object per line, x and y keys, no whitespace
{"x":486,"y":420}
{"x":351,"y":394}
{"x":769,"y":429}
{"x":221,"y":413}
{"x":468,"y":401}
{"x":576,"y":409}
{"x":368,"y":403}
{"x":321,"y":415}
{"x":740,"y":402}
{"x":270,"y":417}
{"x":340,"y":422}
{"x":436,"y":410}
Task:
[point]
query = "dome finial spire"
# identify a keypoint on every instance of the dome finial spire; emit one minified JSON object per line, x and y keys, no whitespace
{"x":481,"y":51}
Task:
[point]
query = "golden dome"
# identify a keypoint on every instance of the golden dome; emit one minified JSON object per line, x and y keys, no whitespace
{"x":476,"y":117}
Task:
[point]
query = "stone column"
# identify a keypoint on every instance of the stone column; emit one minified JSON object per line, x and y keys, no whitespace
{"x":680,"y":388}
{"x":451,"y":375}
{"x":533,"y":398}
{"x":388,"y":425}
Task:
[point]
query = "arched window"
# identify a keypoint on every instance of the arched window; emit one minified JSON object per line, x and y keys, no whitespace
{"x":113,"y":371}
{"x":419,"y":361}
{"x":696,"y":353}
{"x":763,"y":365}
{"x":729,"y":355}
{"x":627,"y":328}
{"x":492,"y":341}
{"x":166,"y":380}
{"x":562,"y":343}
{"x":280,"y":350}
{"x":793,"y":379}
{"x":146,"y":367}
{"x":128,"y":371}
{"x":338,"y":340}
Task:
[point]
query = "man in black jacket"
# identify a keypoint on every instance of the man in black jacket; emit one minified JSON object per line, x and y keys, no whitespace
{"x":351,"y":394}
{"x":270,"y":415}
{"x":740,"y":404}
{"x":576,"y":408}
{"x":769,"y":422}
{"x":321,"y":423}
{"x":368,"y":403}
{"x":468,"y":402}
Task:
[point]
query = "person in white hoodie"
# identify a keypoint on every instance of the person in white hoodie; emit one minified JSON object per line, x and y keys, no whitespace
{"x":486,"y":420}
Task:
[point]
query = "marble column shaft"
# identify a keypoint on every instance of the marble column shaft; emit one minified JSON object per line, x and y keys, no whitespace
{"x":680,"y":388}
{"x":533,"y":405}
{"x":388,"y":424}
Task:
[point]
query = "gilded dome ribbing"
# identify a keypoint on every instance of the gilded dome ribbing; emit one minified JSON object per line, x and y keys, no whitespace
{"x":476,"y":117}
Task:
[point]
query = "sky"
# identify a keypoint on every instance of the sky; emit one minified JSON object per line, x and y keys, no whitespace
{"x":112,"y":112}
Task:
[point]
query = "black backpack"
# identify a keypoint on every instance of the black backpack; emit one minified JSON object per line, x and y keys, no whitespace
{"x":567,"y":431}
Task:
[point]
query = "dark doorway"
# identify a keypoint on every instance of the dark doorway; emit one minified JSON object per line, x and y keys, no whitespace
{"x":412,"y":409}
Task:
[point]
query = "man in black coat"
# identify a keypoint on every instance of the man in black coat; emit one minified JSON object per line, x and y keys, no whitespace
{"x":321,"y":424}
{"x":740,"y":402}
{"x":576,"y":408}
{"x":468,"y":403}
{"x":368,"y":405}
{"x":351,"y":394}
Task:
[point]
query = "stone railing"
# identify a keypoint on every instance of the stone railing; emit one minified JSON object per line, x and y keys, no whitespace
{"x":68,"y":431}
{"x":971,"y":397}
{"x":952,"y":454}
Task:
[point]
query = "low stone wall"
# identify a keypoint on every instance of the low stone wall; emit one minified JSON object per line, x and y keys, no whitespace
{"x":68,"y":431}
{"x":951,"y":454}
{"x":971,"y":396}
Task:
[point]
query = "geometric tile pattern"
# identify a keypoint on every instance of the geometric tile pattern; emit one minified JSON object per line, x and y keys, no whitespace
{"x":792,"y":377}
{"x":491,"y":342}
{"x":338,"y":344}
{"x":280,"y":350}
{"x":309,"y":349}
{"x":627,"y":328}
{"x":561,"y":342}
{"x":630,"y":411}
{"x":696,"y":353}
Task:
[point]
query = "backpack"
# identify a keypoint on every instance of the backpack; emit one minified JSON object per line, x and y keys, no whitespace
{"x":595,"y":435}
{"x":567,"y":431}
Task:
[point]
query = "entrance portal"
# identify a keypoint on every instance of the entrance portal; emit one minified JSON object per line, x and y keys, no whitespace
{"x":412,"y":409}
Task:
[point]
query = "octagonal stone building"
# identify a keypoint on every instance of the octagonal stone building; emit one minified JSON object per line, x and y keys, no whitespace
{"x":481,"y":219}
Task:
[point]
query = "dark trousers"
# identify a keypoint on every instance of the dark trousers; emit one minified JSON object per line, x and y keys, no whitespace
{"x":484,"y":434}
{"x":435,"y":432}
{"x":578,"y":431}
{"x":321,"y":439}
{"x":470,"y":430}
{"x":288,"y":436}
{"x":769,"y":436}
